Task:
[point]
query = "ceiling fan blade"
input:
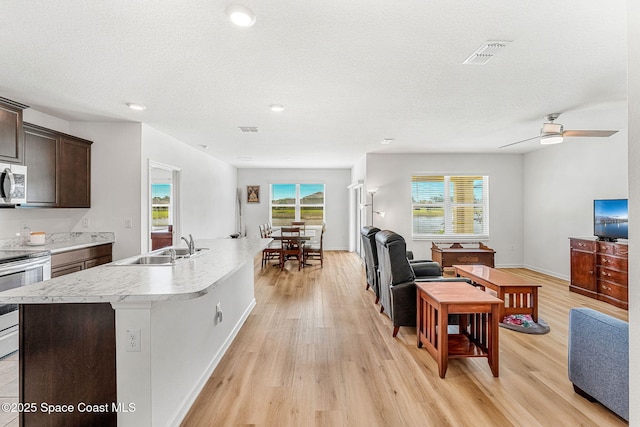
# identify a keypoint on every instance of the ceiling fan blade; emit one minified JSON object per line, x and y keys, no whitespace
{"x":597,"y":133}
{"x":518,"y":142}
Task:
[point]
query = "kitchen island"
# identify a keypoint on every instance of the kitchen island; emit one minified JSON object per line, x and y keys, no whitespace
{"x":131,"y":344}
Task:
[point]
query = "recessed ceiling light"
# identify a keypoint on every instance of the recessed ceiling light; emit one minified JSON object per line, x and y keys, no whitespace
{"x":387,"y":141}
{"x":240,"y":15}
{"x":276,"y":107}
{"x":245,"y":158}
{"x":137,"y":107}
{"x":204,"y":146}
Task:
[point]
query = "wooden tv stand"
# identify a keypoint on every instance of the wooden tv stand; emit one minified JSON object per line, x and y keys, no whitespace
{"x":599,"y":270}
{"x":456,"y":254}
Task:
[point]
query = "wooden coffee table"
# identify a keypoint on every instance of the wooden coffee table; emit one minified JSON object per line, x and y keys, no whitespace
{"x":519,"y":295}
{"x":478,"y":329}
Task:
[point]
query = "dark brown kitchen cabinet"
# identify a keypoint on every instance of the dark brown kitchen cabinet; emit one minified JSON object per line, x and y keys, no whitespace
{"x":74,"y":172}
{"x":11,"y":138}
{"x":59,"y":168}
{"x":80,"y":259}
{"x":41,"y":159}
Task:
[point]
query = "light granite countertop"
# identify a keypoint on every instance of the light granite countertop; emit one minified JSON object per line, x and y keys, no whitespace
{"x":187,"y":279}
{"x":62,"y":242}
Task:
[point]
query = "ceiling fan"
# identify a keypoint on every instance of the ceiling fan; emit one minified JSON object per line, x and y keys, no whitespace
{"x":554,"y":133}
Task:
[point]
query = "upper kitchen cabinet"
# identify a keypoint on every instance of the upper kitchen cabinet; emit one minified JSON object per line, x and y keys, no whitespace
{"x":41,"y":158}
{"x":11,"y":139}
{"x":74,"y":172}
{"x":59,"y":168}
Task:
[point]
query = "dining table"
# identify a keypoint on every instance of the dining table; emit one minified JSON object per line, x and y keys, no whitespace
{"x":304,"y":234}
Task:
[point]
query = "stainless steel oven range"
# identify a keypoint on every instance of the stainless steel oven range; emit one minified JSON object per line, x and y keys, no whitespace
{"x":18,"y":268}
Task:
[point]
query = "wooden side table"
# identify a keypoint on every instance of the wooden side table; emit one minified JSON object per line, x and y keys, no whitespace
{"x":478,"y":331}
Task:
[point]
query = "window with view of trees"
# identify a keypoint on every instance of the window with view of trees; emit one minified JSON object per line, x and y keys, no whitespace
{"x":454,"y":208}
{"x":297,"y":202}
{"x":161,"y":206}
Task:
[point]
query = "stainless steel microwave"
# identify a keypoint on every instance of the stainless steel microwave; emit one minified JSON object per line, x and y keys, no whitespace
{"x":13,"y":184}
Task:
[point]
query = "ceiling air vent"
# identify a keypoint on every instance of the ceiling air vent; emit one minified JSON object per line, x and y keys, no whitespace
{"x":248,"y":128}
{"x":486,"y":52}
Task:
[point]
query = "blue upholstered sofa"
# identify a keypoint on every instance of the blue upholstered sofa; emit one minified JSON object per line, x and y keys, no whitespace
{"x":599,"y":358}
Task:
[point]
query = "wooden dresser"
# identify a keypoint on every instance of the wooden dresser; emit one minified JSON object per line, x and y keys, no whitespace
{"x":599,"y":270}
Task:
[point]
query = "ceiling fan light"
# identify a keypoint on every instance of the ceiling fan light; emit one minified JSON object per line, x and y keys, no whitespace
{"x":551,"y":139}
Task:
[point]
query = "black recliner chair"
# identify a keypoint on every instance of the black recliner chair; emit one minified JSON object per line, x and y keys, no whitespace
{"x":398,"y":277}
{"x":420,"y":267}
{"x":368,"y":233}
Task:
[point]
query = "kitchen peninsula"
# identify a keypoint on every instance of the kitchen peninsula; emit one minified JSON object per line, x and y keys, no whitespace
{"x":131,"y":344}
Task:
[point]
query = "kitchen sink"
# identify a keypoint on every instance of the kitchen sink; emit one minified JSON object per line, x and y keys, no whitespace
{"x":161,"y":257}
{"x":182,"y":252}
{"x":155,"y":260}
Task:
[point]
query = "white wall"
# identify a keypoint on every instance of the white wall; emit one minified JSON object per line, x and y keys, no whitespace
{"x":115,"y":182}
{"x":633,"y":28}
{"x":207,"y":186}
{"x":560,"y":184}
{"x":391,"y":173}
{"x":336,"y":182}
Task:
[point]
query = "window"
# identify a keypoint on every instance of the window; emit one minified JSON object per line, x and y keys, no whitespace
{"x":297,"y":202}
{"x":450,"y":207}
{"x":161,"y":207}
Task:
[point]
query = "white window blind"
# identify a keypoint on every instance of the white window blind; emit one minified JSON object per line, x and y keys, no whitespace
{"x":450,"y":208}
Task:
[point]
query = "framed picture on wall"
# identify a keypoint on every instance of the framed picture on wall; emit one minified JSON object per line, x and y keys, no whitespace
{"x":253,"y":194}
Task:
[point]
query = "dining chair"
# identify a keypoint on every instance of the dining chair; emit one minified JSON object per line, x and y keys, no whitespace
{"x":299,"y":224}
{"x":291,"y":246}
{"x":314,"y":250}
{"x":272,"y":251}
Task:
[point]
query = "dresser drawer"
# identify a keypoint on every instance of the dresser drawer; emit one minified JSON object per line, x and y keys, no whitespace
{"x":612,"y":262}
{"x":612,"y":290}
{"x":584,"y":245}
{"x":613,"y":249}
{"x":619,"y":277}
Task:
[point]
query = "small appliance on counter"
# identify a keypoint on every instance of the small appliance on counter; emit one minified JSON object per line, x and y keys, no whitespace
{"x":13,"y":184}
{"x":18,"y":268}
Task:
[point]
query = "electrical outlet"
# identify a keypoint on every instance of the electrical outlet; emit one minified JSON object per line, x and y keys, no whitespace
{"x":85,"y":222}
{"x":133,"y":340}
{"x":128,"y":223}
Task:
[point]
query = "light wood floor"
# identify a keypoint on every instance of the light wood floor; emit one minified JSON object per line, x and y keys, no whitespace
{"x":315,"y":351}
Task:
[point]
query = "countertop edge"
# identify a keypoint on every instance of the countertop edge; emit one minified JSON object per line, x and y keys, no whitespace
{"x":122,"y":284}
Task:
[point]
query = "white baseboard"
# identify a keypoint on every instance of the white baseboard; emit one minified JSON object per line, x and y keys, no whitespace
{"x":212,"y":366}
{"x":536,"y":269}
{"x":548,"y":273}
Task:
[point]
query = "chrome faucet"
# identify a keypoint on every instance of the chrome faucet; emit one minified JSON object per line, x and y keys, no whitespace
{"x":190,"y":244}
{"x":172,"y":254}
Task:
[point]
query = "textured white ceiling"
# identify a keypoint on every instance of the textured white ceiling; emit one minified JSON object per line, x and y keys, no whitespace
{"x":350,"y":73}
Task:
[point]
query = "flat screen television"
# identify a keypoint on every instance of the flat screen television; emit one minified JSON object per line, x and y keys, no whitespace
{"x":611,"y":219}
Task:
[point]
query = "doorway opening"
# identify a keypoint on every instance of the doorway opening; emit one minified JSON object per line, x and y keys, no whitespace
{"x":164,"y":205}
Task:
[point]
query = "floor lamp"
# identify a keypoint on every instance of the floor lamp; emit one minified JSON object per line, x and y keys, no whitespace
{"x":372,"y":192}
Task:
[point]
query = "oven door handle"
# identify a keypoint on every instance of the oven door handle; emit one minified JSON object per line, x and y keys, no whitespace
{"x":8,"y":185}
{"x":22,"y":266}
